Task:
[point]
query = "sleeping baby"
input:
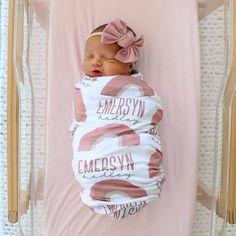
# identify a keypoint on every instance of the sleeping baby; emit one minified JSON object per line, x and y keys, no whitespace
{"x":117,"y":157}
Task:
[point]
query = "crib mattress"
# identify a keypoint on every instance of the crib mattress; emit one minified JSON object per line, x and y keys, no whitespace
{"x":170,"y":64}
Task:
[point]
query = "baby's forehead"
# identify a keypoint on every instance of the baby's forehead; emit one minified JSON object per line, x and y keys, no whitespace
{"x":93,"y":41}
{"x":95,"y":44}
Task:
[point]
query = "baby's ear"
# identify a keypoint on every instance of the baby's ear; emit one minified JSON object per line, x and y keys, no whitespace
{"x":130,"y":68}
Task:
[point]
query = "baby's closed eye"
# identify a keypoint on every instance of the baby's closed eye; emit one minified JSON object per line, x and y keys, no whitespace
{"x":110,"y":59}
{"x":88,"y":56}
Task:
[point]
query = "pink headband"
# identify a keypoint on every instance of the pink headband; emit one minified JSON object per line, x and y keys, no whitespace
{"x":118,"y":32}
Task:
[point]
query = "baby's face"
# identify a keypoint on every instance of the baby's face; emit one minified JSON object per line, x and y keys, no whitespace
{"x":99,"y":59}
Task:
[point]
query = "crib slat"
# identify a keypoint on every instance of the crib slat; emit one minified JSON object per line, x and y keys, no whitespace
{"x":12,"y":125}
{"x":226,"y":206}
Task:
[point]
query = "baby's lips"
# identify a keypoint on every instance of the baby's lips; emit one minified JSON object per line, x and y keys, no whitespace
{"x":96,"y":72}
{"x":96,"y":68}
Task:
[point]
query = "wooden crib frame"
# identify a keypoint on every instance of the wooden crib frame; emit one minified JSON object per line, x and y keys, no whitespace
{"x":13,"y":128}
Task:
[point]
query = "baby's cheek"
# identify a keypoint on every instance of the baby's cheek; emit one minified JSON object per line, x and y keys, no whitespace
{"x":84,"y":66}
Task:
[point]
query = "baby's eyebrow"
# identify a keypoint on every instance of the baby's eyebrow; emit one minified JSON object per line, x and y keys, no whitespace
{"x":110,"y":58}
{"x":87,"y":50}
{"x":88,"y":53}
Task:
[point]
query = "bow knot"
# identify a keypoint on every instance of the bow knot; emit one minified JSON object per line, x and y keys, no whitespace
{"x":118,"y":32}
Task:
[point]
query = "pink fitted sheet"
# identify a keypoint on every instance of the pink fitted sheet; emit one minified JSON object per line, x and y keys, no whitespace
{"x":170,"y":63}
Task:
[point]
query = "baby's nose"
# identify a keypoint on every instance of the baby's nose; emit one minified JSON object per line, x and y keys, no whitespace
{"x":97,"y":61}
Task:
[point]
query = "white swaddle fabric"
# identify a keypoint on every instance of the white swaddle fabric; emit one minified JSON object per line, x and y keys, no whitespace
{"x":116,"y":146}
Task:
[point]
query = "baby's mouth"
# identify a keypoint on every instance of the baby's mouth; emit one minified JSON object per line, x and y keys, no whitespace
{"x":96,"y":72}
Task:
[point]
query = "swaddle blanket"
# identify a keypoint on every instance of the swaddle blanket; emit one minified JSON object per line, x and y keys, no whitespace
{"x":116,"y":146}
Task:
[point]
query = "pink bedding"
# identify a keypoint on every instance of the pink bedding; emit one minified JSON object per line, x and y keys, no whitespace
{"x":170,"y":59}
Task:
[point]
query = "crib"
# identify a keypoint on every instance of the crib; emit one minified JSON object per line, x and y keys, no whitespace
{"x":191,"y":47}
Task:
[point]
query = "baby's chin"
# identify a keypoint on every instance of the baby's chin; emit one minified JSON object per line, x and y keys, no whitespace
{"x":101,"y":74}
{"x":98,"y":74}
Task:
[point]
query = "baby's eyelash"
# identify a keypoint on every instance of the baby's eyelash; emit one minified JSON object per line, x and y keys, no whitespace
{"x":110,"y":59}
{"x":89,"y":56}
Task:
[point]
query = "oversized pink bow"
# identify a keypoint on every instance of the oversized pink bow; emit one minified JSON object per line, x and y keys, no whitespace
{"x":118,"y":32}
